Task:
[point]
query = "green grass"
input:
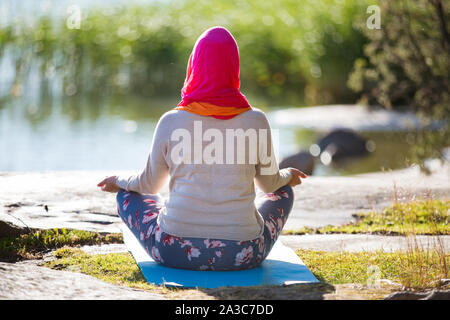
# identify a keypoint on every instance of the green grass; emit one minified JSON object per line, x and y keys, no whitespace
{"x":349,"y":267}
{"x":115,"y":268}
{"x":33,"y":244}
{"x":427,"y":217}
{"x":118,"y":268}
{"x":416,"y":269}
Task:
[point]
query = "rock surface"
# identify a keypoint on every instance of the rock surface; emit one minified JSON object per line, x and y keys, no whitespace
{"x":360,"y":242}
{"x":26,"y":280}
{"x":74,"y":201}
{"x":362,"y":118}
{"x":321,"y":242}
{"x":11,"y":226}
{"x":342,"y":143}
{"x":429,"y":295}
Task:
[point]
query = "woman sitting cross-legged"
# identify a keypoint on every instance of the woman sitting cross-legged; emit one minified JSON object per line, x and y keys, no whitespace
{"x":213,"y":147}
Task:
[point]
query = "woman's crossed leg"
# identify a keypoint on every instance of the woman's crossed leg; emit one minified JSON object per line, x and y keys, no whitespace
{"x":140,"y":213}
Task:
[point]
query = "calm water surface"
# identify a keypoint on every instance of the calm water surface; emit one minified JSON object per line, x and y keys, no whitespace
{"x":78,"y":134}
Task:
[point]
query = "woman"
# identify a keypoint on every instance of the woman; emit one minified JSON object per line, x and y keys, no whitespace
{"x":211,"y":220}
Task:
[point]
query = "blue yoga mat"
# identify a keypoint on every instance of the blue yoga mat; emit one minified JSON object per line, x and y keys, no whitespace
{"x":281,"y":267}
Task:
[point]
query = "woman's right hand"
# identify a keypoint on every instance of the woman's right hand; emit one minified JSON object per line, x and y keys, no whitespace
{"x":109,"y":184}
{"x":296,"y":175}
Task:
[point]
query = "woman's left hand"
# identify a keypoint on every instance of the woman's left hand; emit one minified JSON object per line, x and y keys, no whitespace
{"x":296,"y":177}
{"x":109,"y":184}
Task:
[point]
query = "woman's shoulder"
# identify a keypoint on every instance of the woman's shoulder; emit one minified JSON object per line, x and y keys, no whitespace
{"x":173,"y":117}
{"x":256,"y":113}
{"x":170,"y":115}
{"x":255,"y":116}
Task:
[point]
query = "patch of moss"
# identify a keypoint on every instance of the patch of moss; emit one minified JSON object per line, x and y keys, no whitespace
{"x":429,"y":217}
{"x":34,"y":244}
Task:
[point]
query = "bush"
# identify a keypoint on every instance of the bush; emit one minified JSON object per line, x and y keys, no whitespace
{"x":407,"y":64}
{"x":407,"y":60}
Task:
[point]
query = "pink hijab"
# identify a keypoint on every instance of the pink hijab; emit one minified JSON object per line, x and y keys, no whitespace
{"x":212,"y":74}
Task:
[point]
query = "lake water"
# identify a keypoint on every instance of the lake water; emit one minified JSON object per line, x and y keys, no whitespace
{"x":80,"y":134}
{"x":39,"y":134}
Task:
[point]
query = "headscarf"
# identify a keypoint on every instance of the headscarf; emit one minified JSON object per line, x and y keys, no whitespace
{"x":211,"y":87}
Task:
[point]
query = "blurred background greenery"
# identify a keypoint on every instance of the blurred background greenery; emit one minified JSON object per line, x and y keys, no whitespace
{"x":127,"y":61}
{"x":298,"y":51}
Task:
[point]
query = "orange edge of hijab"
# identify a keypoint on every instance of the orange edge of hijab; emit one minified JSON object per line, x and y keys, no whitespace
{"x":208,"y":109}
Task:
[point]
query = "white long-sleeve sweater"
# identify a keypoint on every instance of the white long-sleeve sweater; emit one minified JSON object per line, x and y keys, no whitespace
{"x":211,"y":193}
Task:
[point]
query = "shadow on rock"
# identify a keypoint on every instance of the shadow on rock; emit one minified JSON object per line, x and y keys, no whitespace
{"x":311,"y":291}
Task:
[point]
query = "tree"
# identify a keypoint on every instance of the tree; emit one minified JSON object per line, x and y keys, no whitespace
{"x":407,"y":65}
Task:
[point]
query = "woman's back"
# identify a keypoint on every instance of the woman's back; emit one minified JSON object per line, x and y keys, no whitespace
{"x":214,"y":147}
{"x":212,"y":165}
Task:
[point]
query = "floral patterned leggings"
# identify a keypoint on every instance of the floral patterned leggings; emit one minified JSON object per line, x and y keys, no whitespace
{"x":139,"y":212}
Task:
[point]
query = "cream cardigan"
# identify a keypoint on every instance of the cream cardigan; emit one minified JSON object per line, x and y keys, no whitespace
{"x":215,"y":199}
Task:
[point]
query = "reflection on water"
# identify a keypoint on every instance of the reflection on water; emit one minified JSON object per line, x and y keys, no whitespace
{"x":115,"y":134}
{"x":74,"y":135}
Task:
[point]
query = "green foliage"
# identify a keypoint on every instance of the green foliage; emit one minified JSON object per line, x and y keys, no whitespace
{"x":428,"y":217}
{"x":407,"y":60}
{"x":407,"y":63}
{"x":430,"y":144}
{"x":297,"y":50}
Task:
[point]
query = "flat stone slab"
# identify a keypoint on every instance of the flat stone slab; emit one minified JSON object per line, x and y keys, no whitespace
{"x":72,"y":198}
{"x":105,"y":248}
{"x":325,"y":242}
{"x":362,"y":118}
{"x":26,"y":280}
{"x":74,"y":201}
{"x":361,"y":242}
{"x":332,"y":200}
